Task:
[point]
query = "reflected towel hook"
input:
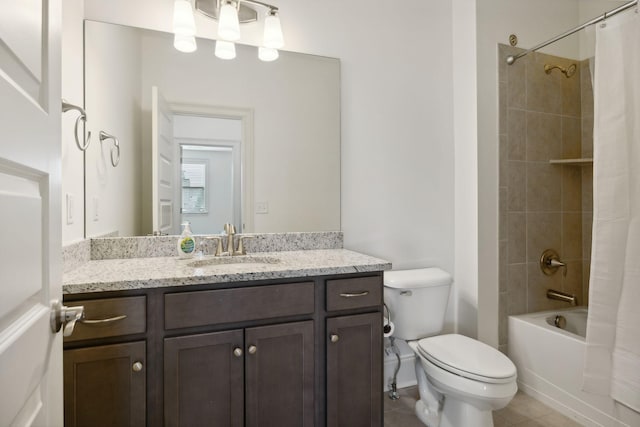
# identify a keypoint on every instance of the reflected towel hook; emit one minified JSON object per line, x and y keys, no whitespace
{"x":115,"y":159}
{"x":66,"y":106}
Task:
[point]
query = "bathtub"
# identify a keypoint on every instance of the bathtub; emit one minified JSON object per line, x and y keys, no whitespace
{"x":550,"y":360}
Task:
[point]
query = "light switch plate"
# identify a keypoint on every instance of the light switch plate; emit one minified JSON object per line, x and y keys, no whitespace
{"x":262,"y":207}
{"x":70,"y":208}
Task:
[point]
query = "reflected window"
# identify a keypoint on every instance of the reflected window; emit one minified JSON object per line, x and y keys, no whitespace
{"x":194,"y":186}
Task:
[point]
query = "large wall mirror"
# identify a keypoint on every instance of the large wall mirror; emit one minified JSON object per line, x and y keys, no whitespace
{"x":206,"y":140}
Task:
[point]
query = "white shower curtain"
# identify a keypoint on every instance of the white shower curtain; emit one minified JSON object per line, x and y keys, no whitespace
{"x":612,"y":364}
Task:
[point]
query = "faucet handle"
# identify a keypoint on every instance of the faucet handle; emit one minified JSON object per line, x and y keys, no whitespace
{"x":241,"y":250}
{"x":218,"y":251}
{"x":230,"y":228}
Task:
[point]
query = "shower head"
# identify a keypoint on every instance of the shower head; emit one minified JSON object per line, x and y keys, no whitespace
{"x":568,"y":72}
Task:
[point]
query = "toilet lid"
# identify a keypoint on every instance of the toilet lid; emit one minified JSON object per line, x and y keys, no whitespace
{"x":467,"y":357}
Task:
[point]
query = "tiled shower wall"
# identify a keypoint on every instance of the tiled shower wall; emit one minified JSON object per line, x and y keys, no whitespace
{"x":542,"y":205}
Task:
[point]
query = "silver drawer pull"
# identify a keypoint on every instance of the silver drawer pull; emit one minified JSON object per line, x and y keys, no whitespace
{"x":354,"y":294}
{"x":100,"y":321}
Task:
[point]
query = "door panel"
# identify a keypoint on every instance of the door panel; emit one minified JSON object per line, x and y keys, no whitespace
{"x":165,"y":164}
{"x":204,"y":380}
{"x":102,"y":386}
{"x":354,"y":371}
{"x":30,"y":218}
{"x":280,"y":375}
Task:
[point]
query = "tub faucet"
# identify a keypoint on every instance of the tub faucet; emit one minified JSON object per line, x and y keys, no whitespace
{"x":562,"y":296}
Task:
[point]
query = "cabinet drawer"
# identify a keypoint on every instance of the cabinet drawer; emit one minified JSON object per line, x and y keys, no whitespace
{"x":109,"y":317}
{"x":200,"y":308}
{"x":345,"y":294}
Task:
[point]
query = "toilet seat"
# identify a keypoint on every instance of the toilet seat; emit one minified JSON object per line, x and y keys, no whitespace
{"x":468,"y":358}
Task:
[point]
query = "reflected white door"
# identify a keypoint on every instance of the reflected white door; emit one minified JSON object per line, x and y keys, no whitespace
{"x":164,"y":166}
{"x":30,"y":213}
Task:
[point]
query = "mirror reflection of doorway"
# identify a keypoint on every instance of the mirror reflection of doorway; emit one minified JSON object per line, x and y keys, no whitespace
{"x":210,"y":172}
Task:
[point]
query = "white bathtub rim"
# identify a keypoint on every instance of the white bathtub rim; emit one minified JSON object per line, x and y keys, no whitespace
{"x":538,"y":319}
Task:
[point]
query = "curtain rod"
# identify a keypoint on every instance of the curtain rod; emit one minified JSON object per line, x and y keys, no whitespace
{"x":511,"y":59}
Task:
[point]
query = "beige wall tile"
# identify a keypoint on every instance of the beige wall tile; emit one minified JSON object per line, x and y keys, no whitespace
{"x":572,"y":282}
{"x":516,"y":189}
{"x":516,"y":238}
{"x":544,"y":136}
{"x":517,"y":134}
{"x":571,"y":137}
{"x":502,"y":266}
{"x":571,"y":237}
{"x":503,"y":160}
{"x":517,"y":288}
{"x":537,"y":286}
{"x":502,"y":214}
{"x":502,"y":105}
{"x":544,"y":93}
{"x":587,"y":136}
{"x":587,"y":188}
{"x":571,"y":105}
{"x":543,"y":232}
{"x":571,"y":188}
{"x":543,"y":187}
{"x":516,"y":84}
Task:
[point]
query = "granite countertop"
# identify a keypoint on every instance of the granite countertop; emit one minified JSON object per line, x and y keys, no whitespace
{"x":143,"y":273}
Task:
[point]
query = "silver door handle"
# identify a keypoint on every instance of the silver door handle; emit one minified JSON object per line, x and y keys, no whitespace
{"x":63,"y":316}
{"x":99,"y":321}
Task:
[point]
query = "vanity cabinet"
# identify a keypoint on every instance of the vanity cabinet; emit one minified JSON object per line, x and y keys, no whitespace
{"x":282,"y":352}
{"x":105,"y":385}
{"x":354,"y":356}
{"x":208,"y":377}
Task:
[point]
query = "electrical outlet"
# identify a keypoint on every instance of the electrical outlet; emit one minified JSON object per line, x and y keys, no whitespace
{"x":70,"y":209}
{"x":262,"y":207}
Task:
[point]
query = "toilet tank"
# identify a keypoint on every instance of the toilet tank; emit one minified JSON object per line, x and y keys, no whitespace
{"x":417,"y":300}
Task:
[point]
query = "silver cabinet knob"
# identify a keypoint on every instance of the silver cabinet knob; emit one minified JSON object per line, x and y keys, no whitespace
{"x":334,"y":337}
{"x":237,"y":352}
{"x":137,"y":367}
{"x":253,"y":349}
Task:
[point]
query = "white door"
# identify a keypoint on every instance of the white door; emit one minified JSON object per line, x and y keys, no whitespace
{"x":30,"y":212}
{"x":164,"y":166}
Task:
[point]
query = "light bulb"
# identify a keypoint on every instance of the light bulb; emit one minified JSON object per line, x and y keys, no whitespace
{"x":225,"y":49}
{"x":228,"y":25}
{"x":183,"y":21}
{"x":273,"y":31}
{"x":185,"y":44}
{"x":267,"y":54}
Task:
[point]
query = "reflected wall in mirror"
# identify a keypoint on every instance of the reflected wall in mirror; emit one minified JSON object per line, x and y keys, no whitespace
{"x":288,"y":150}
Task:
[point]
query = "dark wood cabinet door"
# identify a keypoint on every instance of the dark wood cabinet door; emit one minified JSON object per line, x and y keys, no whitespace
{"x":280,"y":375}
{"x":354,"y":371}
{"x":105,"y":386}
{"x":203,"y":380}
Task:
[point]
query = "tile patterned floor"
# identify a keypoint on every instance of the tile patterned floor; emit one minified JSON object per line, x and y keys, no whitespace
{"x":523,"y":411}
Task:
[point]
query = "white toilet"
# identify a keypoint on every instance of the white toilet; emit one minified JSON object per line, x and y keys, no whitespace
{"x":461,"y":380}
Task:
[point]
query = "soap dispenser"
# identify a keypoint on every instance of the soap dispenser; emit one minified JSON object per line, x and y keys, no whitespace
{"x":186,"y":243}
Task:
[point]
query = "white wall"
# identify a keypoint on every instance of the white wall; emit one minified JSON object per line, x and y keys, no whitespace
{"x":73,"y":92}
{"x":397,"y":114}
{"x":116,"y":109}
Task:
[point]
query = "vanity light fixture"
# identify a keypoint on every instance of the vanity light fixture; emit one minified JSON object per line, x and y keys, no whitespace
{"x":225,"y":49}
{"x":229,"y":14}
{"x":184,"y":26}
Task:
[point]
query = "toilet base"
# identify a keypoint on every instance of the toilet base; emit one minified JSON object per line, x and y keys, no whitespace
{"x":456,"y":413}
